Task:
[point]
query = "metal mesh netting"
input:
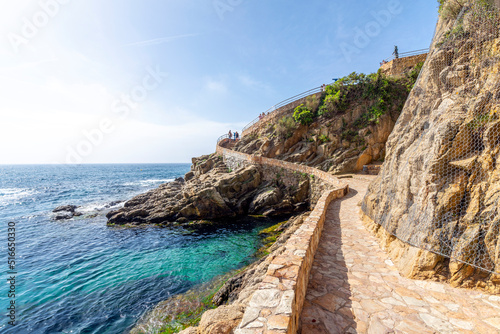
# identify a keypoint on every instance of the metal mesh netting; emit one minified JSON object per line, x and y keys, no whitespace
{"x":462,"y":219}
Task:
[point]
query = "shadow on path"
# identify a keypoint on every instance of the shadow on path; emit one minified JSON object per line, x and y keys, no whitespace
{"x":354,"y":286}
{"x":328,"y":306}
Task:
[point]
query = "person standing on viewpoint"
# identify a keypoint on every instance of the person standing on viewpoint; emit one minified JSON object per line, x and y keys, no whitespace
{"x":230,"y":134}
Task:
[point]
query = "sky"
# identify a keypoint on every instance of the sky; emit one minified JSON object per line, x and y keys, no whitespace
{"x":158,"y":81}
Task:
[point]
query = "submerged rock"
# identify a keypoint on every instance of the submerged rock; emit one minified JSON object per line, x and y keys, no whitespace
{"x":68,"y":208}
{"x":63,"y":216}
{"x":65,"y":212}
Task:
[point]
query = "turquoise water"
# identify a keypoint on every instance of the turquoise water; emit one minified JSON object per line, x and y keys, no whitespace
{"x":81,"y":276}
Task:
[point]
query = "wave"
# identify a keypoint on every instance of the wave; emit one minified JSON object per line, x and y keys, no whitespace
{"x":14,"y":195}
{"x":146,"y":183}
{"x":96,"y":207}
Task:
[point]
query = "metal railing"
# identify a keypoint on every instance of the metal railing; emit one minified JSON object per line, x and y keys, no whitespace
{"x":283,"y":103}
{"x":408,"y":54}
{"x":221,"y":138}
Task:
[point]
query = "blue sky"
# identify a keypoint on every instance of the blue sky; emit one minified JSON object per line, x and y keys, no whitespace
{"x":129,"y":81}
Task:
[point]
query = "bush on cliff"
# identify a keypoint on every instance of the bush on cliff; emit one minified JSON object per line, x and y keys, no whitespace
{"x":450,"y":8}
{"x":285,"y":128}
{"x":378,"y":92}
{"x":303,"y":115}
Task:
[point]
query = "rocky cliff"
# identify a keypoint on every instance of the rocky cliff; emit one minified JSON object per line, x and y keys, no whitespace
{"x":440,"y":184}
{"x":342,"y":130}
{"x":211,"y":191}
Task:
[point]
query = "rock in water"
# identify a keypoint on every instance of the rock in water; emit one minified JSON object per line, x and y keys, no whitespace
{"x":211,"y":192}
{"x":63,"y":216}
{"x":68,"y":208}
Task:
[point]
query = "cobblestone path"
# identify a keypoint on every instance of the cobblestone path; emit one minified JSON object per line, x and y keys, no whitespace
{"x":355,"y":288}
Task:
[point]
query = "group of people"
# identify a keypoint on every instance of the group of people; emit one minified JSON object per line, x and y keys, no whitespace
{"x":234,"y":136}
{"x":261,"y":116}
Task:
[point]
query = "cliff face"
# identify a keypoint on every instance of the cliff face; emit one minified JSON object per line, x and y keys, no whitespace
{"x":211,"y":191}
{"x":349,"y":125}
{"x":439,"y":188}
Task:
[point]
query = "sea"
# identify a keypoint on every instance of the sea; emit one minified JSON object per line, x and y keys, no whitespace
{"x":82,"y":276}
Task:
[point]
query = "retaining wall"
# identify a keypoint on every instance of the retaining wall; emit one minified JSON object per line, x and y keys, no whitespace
{"x":276,"y":114}
{"x":399,"y":66}
{"x":277,"y":304}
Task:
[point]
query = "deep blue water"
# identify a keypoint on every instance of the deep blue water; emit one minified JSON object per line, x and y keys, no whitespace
{"x":81,"y":276}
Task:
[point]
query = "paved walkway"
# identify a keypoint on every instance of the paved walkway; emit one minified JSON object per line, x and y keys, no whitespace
{"x":355,"y":288}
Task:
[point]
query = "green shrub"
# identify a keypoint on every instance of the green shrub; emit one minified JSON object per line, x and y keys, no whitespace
{"x":303,"y":115}
{"x":414,"y":73}
{"x":376,"y":93}
{"x":323,"y":110}
{"x":324,"y":138}
{"x":285,"y":127}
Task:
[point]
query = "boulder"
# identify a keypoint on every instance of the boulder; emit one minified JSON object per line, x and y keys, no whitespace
{"x":222,"y":320}
{"x":68,"y":208}
{"x":189,"y":176}
{"x":266,"y":198}
{"x":63,"y":216}
{"x":211,"y":193}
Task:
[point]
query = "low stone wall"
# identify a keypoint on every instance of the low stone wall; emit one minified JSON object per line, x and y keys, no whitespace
{"x":399,"y":66}
{"x":276,"y":114}
{"x":234,"y":159}
{"x":277,"y":304}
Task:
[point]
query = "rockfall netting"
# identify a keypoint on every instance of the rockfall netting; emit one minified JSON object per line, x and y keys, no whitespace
{"x":458,"y":215}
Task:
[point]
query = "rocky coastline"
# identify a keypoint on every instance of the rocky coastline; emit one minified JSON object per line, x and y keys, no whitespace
{"x":213,"y":192}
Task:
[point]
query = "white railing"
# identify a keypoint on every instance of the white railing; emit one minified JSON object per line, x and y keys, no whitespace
{"x":408,"y":54}
{"x":283,"y":103}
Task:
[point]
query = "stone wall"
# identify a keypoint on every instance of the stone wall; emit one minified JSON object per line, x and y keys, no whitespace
{"x":399,"y":66}
{"x":277,"y":114}
{"x":238,"y":159}
{"x":277,"y":304}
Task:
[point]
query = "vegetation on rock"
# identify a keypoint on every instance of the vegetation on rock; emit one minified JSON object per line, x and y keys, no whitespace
{"x":285,"y":127}
{"x":341,"y":129}
{"x":303,"y":115}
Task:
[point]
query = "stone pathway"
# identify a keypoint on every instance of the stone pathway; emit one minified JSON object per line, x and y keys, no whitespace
{"x":355,"y":288}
